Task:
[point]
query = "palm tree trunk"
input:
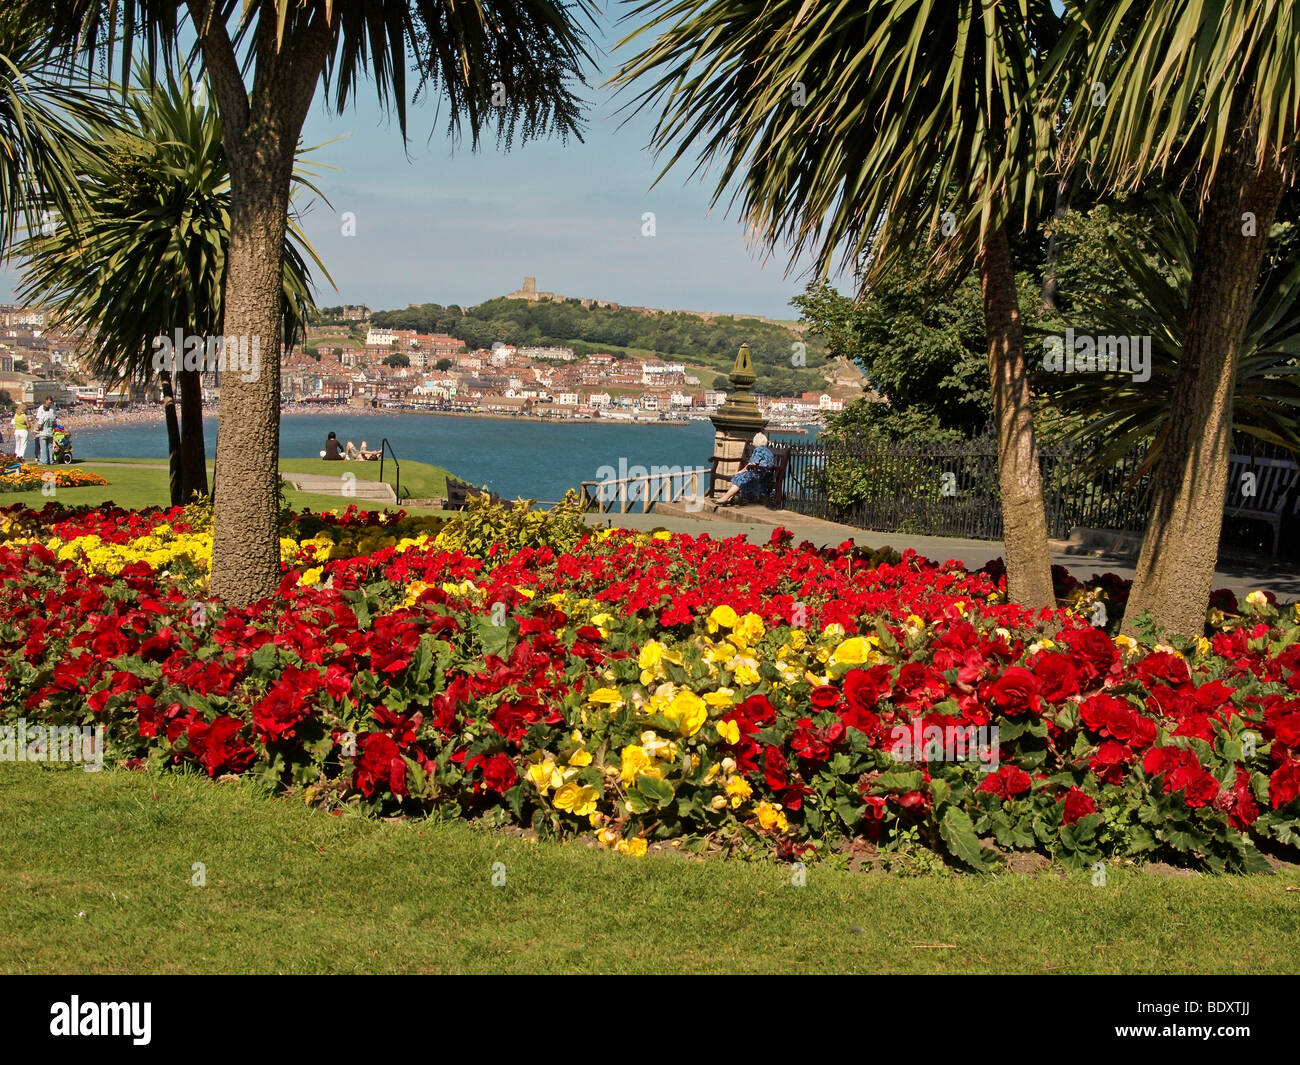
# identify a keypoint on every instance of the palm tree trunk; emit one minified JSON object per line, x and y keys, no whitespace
{"x":1024,"y":519}
{"x":1175,"y":569}
{"x":261,"y":132}
{"x":173,"y":440}
{"x":1062,"y":208}
{"x":194,"y":463}
{"x":246,"y":546}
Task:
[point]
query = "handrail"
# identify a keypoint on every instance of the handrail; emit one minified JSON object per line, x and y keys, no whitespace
{"x":601,"y":495}
{"x":384,"y":445}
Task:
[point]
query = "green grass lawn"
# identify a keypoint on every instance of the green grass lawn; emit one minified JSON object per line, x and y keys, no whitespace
{"x":133,"y":484}
{"x":96,"y":869}
{"x":419,"y":479}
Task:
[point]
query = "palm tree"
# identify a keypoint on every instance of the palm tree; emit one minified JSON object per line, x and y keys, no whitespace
{"x":38,"y":132}
{"x":496,"y":64}
{"x":155,"y":222}
{"x":1116,"y":412}
{"x":1216,"y":84}
{"x":864,"y":130}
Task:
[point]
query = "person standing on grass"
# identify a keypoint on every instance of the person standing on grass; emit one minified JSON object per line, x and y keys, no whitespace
{"x":20,"y":432}
{"x":45,"y":418}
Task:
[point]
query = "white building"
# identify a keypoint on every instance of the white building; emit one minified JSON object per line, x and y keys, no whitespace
{"x":658,"y":372}
{"x":379,"y":337}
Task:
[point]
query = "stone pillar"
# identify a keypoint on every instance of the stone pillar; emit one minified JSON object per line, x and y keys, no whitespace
{"x":738,"y":420}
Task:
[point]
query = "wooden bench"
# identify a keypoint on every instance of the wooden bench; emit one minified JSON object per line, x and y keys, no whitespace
{"x":1263,"y":489}
{"x":459,"y":493}
{"x":774,"y":492}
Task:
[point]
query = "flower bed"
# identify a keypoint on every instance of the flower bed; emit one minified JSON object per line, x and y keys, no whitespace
{"x":33,"y":478}
{"x":656,"y":687}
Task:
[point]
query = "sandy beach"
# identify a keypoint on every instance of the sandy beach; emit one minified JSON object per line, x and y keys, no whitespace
{"x":86,"y":417}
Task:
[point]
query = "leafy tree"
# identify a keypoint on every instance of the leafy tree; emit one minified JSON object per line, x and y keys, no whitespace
{"x":1149,"y":299}
{"x":442,"y":365}
{"x":397,"y":359}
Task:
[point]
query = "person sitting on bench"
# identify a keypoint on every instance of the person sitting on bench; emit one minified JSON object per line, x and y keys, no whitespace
{"x":752,"y":481}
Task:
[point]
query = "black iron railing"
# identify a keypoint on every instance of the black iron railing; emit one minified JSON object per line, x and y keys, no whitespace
{"x":953,"y":489}
{"x":385,"y":446}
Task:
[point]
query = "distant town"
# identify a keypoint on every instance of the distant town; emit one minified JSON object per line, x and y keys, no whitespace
{"x":354,"y":363}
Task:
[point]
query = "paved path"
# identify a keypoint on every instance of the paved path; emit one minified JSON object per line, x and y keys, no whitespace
{"x":756,"y":524}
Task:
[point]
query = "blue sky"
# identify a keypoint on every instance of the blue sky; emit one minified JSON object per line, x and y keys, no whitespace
{"x":444,"y":226}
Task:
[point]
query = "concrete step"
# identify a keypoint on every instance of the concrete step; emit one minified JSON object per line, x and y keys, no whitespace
{"x":342,"y":486}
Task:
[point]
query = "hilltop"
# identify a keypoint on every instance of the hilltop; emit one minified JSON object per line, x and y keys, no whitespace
{"x":707,"y":345}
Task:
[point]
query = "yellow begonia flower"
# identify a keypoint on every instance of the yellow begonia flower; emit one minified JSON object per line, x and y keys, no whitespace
{"x":580,"y":758}
{"x":577,"y":799}
{"x":656,"y":747}
{"x":833,"y":631}
{"x":606,"y":697}
{"x":1257,"y":599}
{"x":688,"y":712}
{"x":634,"y":847}
{"x":720,"y":698}
{"x":770,"y":817}
{"x":749,"y":629}
{"x":662,"y":534}
{"x":721,"y":617}
{"x":607,"y":837}
{"x":798,"y":639}
{"x":413,"y":593}
{"x":855,"y":652}
{"x":744,"y":670}
{"x":1202,"y":646}
{"x":729,"y":731}
{"x":635,"y":762}
{"x":720,"y":652}
{"x":739,"y":791}
{"x":544,"y":775}
{"x":652,"y":653}
{"x":311,"y":576}
{"x":1125,"y":643}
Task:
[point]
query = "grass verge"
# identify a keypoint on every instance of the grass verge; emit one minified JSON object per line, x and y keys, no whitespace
{"x":97,"y":869}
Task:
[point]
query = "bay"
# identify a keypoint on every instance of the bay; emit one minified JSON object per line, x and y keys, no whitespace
{"x":513,"y":457}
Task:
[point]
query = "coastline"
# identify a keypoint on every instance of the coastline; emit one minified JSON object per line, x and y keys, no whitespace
{"x":109,"y":419}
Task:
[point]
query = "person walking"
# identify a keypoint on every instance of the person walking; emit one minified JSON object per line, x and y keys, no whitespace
{"x":20,"y":432}
{"x":45,"y":418}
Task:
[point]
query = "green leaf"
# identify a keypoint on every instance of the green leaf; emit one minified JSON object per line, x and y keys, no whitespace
{"x":958,"y":832}
{"x":900,"y":781}
{"x":656,"y":792}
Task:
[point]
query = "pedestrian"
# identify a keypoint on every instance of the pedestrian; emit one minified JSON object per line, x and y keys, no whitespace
{"x":45,"y":418}
{"x":20,"y":432}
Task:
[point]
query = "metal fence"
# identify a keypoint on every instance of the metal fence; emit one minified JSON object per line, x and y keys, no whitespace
{"x":953,"y":490}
